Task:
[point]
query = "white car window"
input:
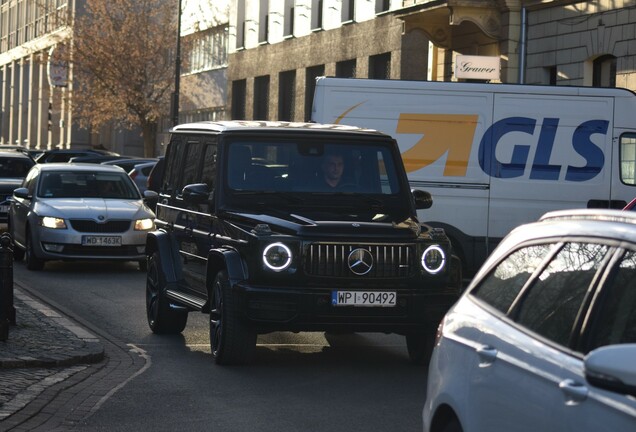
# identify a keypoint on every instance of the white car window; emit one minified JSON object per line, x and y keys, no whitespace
{"x":551,"y":306}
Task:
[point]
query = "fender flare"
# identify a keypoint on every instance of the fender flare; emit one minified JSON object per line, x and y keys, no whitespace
{"x":229,"y":259}
{"x":160,"y":241}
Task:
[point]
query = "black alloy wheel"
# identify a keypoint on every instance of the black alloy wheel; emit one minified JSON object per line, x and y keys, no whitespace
{"x":162,"y":319}
{"x":232,"y":341}
{"x":420,"y":347}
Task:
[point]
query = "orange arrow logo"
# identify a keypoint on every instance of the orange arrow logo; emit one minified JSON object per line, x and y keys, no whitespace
{"x":450,"y":134}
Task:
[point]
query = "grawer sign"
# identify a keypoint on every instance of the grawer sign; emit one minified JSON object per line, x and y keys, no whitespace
{"x":477,"y":67}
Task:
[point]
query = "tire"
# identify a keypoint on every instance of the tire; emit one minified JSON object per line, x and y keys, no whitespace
{"x":143,"y":265}
{"x":162,"y":319}
{"x":232,"y":341}
{"x":420,"y":347}
{"x":452,"y":426}
{"x":18,"y":253}
{"x":32,"y":262}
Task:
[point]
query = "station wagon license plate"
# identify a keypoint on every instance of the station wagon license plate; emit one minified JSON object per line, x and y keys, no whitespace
{"x":101,"y":240}
{"x":363,"y":298}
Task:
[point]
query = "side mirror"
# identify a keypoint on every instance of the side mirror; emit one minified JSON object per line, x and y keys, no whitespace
{"x":150,"y":195}
{"x":197,"y":193}
{"x":423,"y":199}
{"x":612,"y":368}
{"x":21,"y":193}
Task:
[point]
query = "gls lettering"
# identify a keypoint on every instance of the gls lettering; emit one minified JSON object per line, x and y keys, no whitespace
{"x":453,"y":134}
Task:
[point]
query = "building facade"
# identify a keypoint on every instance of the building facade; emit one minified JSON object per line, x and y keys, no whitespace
{"x":35,"y":89}
{"x":277,"y":48}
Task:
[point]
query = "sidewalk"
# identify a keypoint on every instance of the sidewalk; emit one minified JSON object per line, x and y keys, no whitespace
{"x":43,"y":348}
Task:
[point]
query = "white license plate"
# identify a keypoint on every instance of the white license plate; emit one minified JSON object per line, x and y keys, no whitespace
{"x":101,"y":240}
{"x":363,"y":298}
{"x":4,"y":209}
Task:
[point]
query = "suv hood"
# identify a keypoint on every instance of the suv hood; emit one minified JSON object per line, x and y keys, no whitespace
{"x":293,"y":224}
{"x":92,"y":208}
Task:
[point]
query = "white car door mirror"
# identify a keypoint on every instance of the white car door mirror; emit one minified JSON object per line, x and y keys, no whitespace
{"x":612,"y":368}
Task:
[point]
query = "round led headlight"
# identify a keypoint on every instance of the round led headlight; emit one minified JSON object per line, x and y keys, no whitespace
{"x":277,"y":257}
{"x":433,"y":259}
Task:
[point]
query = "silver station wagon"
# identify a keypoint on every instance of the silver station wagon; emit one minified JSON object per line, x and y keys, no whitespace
{"x":66,"y":211}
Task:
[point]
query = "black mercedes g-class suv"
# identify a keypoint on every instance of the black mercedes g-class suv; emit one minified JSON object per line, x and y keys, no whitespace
{"x":276,"y":226}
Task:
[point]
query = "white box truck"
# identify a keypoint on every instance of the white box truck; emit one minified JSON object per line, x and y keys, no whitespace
{"x":495,"y":156}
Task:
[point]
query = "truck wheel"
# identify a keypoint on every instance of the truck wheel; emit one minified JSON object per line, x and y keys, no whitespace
{"x":420,"y":347}
{"x":162,"y":319}
{"x":232,"y":341}
{"x":32,"y":262}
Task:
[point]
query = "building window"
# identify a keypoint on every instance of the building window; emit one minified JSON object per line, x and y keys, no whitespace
{"x":206,"y":50}
{"x":286,"y":95}
{"x":604,"y":71}
{"x":240,"y":24}
{"x":316,"y":14}
{"x":289,"y":18}
{"x":346,"y":69}
{"x":380,"y":66}
{"x":310,"y":86}
{"x":382,"y":5}
{"x":551,"y":75}
{"x":238,"y":99}
{"x":263,"y":21}
{"x":261,"y":97}
{"x":348,"y":10}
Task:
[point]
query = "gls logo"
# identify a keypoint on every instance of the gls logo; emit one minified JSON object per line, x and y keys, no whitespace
{"x":454,"y":133}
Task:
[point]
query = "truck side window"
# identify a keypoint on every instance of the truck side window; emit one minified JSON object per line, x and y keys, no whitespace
{"x":628,"y":158}
{"x":209,"y":164}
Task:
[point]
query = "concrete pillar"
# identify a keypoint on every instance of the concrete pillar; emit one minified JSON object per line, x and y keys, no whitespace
{"x":12,"y":102}
{"x":4,"y":102}
{"x":42,"y":140}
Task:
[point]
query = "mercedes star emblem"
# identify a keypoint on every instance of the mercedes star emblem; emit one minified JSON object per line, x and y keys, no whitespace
{"x":360,"y":261}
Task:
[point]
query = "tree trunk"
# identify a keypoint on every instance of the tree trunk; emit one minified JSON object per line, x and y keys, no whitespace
{"x":149,"y":132}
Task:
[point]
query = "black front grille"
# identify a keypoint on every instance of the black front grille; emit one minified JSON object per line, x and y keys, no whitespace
{"x":113,"y":226}
{"x":389,"y":261}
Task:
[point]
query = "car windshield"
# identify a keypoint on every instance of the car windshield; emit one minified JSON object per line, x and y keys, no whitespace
{"x":70,"y":184}
{"x":14,"y":167}
{"x":312,"y":167}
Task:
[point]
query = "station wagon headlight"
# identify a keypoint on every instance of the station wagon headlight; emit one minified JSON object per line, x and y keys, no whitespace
{"x":277,"y":257}
{"x":144,"y":224}
{"x":52,"y":222}
{"x":433,"y":259}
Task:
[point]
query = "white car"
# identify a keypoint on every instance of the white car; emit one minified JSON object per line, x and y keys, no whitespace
{"x":67,"y":211}
{"x":544,"y":337}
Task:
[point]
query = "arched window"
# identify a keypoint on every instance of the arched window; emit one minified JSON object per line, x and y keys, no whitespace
{"x":604,"y":71}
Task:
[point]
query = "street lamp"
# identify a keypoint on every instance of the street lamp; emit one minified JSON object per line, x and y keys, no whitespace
{"x":177,"y":72}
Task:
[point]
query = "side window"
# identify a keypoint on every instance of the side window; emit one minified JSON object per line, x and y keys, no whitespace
{"x":553,"y":301}
{"x":191,"y":164}
{"x":615,"y":320}
{"x":209,"y":165}
{"x":31,"y":181}
{"x":504,"y":283}
{"x":628,"y":158}
{"x":174,"y":156}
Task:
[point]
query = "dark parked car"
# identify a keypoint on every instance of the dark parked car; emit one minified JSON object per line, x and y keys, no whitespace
{"x":250,"y":232}
{"x":64,"y":155}
{"x":128,"y":163}
{"x":14,"y":166}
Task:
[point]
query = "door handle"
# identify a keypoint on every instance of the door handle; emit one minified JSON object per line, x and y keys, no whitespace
{"x":487,"y":355}
{"x":574,"y":392}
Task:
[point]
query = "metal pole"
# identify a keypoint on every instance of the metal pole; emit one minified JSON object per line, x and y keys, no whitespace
{"x":523,"y":48}
{"x":7,"y":310}
{"x":177,"y":72}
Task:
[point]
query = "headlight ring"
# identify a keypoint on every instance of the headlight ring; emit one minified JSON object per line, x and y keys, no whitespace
{"x":277,"y":257}
{"x":433,"y":259}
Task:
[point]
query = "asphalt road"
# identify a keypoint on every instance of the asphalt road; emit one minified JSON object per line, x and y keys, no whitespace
{"x":297,"y":382}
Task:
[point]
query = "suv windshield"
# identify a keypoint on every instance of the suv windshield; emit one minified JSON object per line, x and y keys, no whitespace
{"x":14,"y":167}
{"x":343,"y":180}
{"x":312,"y":167}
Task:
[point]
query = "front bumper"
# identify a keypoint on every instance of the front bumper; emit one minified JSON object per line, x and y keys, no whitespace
{"x":310,"y":309}
{"x":66,"y":244}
